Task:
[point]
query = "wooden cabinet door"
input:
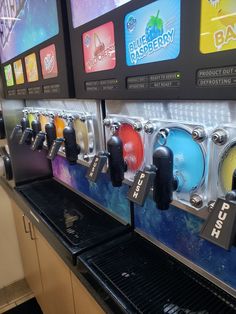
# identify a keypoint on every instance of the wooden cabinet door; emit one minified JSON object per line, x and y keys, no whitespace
{"x":84,"y":302}
{"x":28,"y":253}
{"x":56,"y":279}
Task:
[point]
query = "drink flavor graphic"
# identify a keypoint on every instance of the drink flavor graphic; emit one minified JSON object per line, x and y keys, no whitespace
{"x":99,"y":48}
{"x":218,"y":25}
{"x":84,"y":11}
{"x":31,"y":68}
{"x":152,"y":33}
{"x":9,"y":75}
{"x":48,"y":61}
{"x":18,"y":70}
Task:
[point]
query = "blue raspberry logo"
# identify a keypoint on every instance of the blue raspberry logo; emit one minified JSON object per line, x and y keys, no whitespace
{"x":154,"y":27}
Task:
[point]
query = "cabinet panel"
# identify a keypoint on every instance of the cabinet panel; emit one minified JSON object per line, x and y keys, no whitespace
{"x":28,"y":253}
{"x":84,"y":302}
{"x":56,"y":279}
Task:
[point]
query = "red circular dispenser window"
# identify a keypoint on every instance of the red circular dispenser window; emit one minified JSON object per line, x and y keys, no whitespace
{"x":132,"y":146}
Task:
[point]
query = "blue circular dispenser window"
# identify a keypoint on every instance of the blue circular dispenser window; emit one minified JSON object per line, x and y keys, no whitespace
{"x":189,"y":161}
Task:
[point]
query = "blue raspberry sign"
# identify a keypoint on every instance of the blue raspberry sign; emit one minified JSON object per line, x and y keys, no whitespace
{"x":155,"y":36}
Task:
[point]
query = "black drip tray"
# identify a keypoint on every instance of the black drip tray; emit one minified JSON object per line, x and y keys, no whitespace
{"x":147,"y":280}
{"x":76,"y":220}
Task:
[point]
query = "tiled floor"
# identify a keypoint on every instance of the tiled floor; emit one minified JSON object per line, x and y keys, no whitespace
{"x":14,"y":295}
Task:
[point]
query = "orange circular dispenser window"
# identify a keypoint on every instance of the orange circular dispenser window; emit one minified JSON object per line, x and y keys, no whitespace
{"x":132,"y":146}
{"x":60,"y":125}
{"x":43,"y":120}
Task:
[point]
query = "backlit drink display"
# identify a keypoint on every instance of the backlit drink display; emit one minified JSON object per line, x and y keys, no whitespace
{"x":48,"y":59}
{"x":99,"y":48}
{"x":84,"y":11}
{"x":227,"y":167}
{"x":18,"y":70}
{"x":218,"y":19}
{"x":31,"y":68}
{"x":9,"y":75}
{"x":152,"y":33}
{"x":26,"y":26}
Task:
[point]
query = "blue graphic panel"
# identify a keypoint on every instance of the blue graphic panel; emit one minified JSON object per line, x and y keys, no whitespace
{"x":179,"y":231}
{"x":152,"y":33}
{"x":25,"y":24}
{"x":113,"y":199}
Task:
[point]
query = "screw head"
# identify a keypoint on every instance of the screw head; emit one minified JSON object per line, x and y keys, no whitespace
{"x":196,"y":201}
{"x":199,"y":134}
{"x":107,"y":122}
{"x":149,"y":128}
{"x":219,"y":137}
{"x":137,"y":126}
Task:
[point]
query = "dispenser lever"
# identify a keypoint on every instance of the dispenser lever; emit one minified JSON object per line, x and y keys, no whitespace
{"x":116,"y":161}
{"x":141,"y":186}
{"x":50,"y":130}
{"x":96,"y":166}
{"x":164,"y":181}
{"x":54,"y":149}
{"x":26,"y":137}
{"x":38,"y":142}
{"x":36,"y":127}
{"x":71,"y":148}
{"x":17,"y":129}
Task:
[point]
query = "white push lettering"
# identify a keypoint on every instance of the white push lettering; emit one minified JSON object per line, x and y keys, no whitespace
{"x":220,"y":221}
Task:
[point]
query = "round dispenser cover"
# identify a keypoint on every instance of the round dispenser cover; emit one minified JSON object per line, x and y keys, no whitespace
{"x":84,"y":138}
{"x":189,"y":161}
{"x":43,"y":121}
{"x":60,"y":125}
{"x":31,"y":118}
{"x":227,"y":167}
{"x":133,"y":151}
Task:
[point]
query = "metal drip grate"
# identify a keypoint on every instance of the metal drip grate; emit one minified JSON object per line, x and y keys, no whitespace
{"x":76,"y":220}
{"x":153,"y":282}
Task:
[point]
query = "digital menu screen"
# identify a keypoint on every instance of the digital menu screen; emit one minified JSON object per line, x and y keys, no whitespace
{"x":84,"y":11}
{"x":25,"y":24}
{"x":218,"y":19}
{"x":99,"y":48}
{"x":152,"y":33}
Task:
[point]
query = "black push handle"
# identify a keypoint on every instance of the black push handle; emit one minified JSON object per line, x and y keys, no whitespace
{"x":24,"y":122}
{"x":36,"y":127}
{"x":51,"y":135}
{"x":71,"y":148}
{"x":116,"y":161}
{"x":231,"y":196}
{"x":38,"y":142}
{"x":26,"y":137}
{"x":164,"y":182}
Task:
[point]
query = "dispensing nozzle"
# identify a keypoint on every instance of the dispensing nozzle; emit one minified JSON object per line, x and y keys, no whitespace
{"x":164,"y":181}
{"x":117,"y":165}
